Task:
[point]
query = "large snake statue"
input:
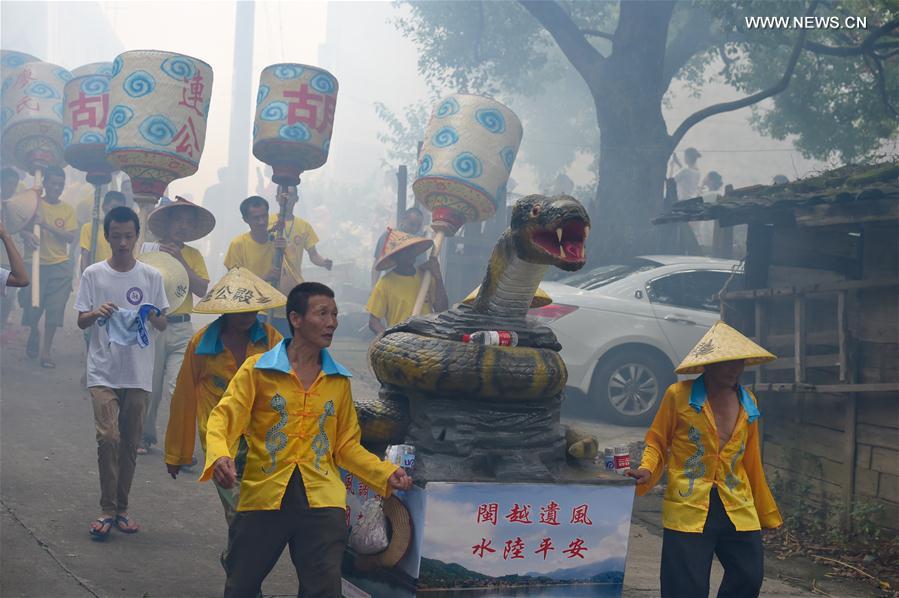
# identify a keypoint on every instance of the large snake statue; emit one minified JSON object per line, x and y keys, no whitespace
{"x":475,"y":411}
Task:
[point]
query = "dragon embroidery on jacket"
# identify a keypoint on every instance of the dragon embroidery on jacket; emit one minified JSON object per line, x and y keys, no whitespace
{"x":320,"y":444}
{"x":730,"y":479}
{"x":275,"y":439}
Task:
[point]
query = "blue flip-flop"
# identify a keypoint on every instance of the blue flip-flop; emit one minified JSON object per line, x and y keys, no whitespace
{"x":121,"y":520}
{"x":98,"y":534}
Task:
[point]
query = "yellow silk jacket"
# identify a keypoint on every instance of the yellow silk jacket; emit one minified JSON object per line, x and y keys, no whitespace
{"x":205,"y":373}
{"x":684,"y":438}
{"x":287,"y":426}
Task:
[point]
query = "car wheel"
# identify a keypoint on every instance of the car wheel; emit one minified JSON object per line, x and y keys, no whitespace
{"x":627,"y":387}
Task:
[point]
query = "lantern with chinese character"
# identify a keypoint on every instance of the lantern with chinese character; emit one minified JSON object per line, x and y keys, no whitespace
{"x":294,"y":118}
{"x":86,"y":108}
{"x":32,"y":115}
{"x":156,"y":127}
{"x":464,"y":164}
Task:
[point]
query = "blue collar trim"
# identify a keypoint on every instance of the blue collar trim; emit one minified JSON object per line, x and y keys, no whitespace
{"x":698,"y":396}
{"x":211,"y":342}
{"x":276,"y":359}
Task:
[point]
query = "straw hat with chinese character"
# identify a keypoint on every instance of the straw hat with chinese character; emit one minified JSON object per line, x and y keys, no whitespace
{"x":19,"y":209}
{"x":541,"y":298}
{"x":397,"y":241}
{"x":174,"y":276}
{"x":159,"y":218}
{"x":722,"y":343}
{"x":240,"y":291}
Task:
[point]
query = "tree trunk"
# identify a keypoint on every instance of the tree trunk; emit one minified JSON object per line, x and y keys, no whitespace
{"x":634,"y":143}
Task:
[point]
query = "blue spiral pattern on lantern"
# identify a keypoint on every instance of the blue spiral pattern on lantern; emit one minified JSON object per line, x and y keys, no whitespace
{"x":158,"y":130}
{"x":66,"y":136}
{"x":139,"y":83}
{"x":323,"y":83}
{"x":91,"y":137}
{"x":491,"y":119}
{"x":119,"y":116}
{"x":112,"y":139}
{"x":294,"y":132}
{"x":467,"y":165}
{"x":95,"y":85}
{"x":508,"y":156}
{"x":178,"y":67}
{"x":63,"y":74}
{"x":117,"y":66}
{"x":59,"y":108}
{"x":445,"y":137}
{"x":13,"y":60}
{"x":447,"y":107}
{"x":6,"y":83}
{"x":5,"y":115}
{"x":287,"y":71}
{"x":106,"y":70}
{"x":263,"y":93}
{"x":425,"y":165}
{"x":274,"y":111}
{"x":39,"y":89}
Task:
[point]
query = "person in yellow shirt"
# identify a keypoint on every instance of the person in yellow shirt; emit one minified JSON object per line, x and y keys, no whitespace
{"x":393,"y":297}
{"x":294,"y":406}
{"x":112,"y":199}
{"x":212,"y":358}
{"x":174,"y":224}
{"x":58,"y":227}
{"x":706,"y":435}
{"x":255,"y":250}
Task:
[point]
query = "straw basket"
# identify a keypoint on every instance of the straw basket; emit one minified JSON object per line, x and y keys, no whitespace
{"x":156,"y":127}
{"x":294,"y":119}
{"x":469,"y":148}
{"x":86,"y":109}
{"x":31,"y":115}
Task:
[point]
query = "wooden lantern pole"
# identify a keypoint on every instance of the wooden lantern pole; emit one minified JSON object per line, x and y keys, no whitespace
{"x":36,"y":253}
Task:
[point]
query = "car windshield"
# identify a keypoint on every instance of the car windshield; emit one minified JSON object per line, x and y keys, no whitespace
{"x":603,"y":275}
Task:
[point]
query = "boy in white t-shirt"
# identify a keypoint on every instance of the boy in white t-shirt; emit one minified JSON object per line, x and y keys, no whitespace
{"x":119,"y":378}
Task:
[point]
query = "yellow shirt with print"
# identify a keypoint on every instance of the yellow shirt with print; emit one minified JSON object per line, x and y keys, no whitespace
{"x":104,"y":251}
{"x":58,"y":216}
{"x":286,"y":427}
{"x":394,"y":296}
{"x":207,"y":369}
{"x":196,"y":263}
{"x":258,"y":257}
{"x":685,"y":442}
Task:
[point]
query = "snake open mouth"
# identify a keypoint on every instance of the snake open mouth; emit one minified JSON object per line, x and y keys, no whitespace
{"x":564,"y":241}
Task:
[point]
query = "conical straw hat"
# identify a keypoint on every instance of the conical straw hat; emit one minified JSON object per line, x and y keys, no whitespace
{"x":396,"y":241}
{"x":159,"y":217}
{"x":541,"y":298}
{"x":174,"y":276}
{"x":722,"y":343}
{"x":19,"y":209}
{"x":240,"y":291}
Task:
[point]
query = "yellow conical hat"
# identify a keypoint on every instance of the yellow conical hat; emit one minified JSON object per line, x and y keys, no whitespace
{"x":174,"y":276}
{"x":240,"y":291}
{"x":722,"y":343}
{"x":541,"y":298}
{"x":396,"y":241}
{"x":19,"y":209}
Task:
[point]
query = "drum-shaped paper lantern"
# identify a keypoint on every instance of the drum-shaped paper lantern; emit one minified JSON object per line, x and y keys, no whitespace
{"x":11,"y":59}
{"x":32,"y":115}
{"x":294,"y":119}
{"x":86,"y":109}
{"x":469,"y":148}
{"x":156,"y":127}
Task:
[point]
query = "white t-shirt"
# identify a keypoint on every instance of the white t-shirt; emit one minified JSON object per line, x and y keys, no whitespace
{"x":112,"y":365}
{"x":4,"y":276}
{"x":687,"y":183}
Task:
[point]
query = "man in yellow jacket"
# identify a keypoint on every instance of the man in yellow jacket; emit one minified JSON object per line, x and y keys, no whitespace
{"x":717,"y":500}
{"x":211,"y":360}
{"x":294,"y":406}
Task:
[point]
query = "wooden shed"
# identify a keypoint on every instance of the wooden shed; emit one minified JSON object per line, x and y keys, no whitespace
{"x":821,"y":290}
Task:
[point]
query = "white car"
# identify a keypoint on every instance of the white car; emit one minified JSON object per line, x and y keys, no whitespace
{"x":624,"y":328}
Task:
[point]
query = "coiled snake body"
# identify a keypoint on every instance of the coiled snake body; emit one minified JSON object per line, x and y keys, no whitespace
{"x":693,"y":466}
{"x":275,"y":439}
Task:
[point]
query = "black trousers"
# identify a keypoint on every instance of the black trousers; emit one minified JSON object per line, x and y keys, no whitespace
{"x":687,"y":558}
{"x":316,"y":538}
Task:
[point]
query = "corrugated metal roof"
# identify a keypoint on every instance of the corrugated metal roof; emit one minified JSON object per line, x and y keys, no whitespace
{"x":854,"y":183}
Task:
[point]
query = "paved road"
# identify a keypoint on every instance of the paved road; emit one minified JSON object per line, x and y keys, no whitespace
{"x":49,"y":493}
